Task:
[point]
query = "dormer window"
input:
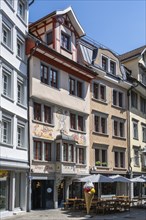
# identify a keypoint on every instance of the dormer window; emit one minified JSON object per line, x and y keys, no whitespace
{"x":65,"y":41}
{"x":104,"y":63}
{"x":112,"y":67}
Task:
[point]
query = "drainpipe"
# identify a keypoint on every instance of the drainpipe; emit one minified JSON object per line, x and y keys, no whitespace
{"x":28,"y":114}
{"x":128,"y":135}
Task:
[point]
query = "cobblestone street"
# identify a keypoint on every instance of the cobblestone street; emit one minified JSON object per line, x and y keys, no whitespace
{"x":58,"y":214}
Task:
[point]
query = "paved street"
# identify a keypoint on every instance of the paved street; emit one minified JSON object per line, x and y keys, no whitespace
{"x":58,"y":214}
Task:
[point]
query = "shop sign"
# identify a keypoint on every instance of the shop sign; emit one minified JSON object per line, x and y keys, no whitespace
{"x":3,"y":173}
{"x":68,"y":169}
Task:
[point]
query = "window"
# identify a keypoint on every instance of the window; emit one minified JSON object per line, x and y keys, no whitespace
{"x":104,"y":64}
{"x":99,"y":91}
{"x":119,"y":128}
{"x":49,"y":38}
{"x":44,"y":74}
{"x":7,"y":33}
{"x":6,"y":78}
{"x":101,"y":156}
{"x":37,"y":150}
{"x":49,"y":76}
{"x":20,"y":92}
{"x":118,"y":98}
{"x":143,"y":105}
{"x":20,"y":48}
{"x":136,"y":157}
{"x":135,"y":130}
{"x":47,"y":151}
{"x":47,"y":114}
{"x":134,"y":99}
{"x":112,"y":67}
{"x":100,"y":123}
{"x":21,"y":9}
{"x":68,"y":152}
{"x":43,"y":113}
{"x":58,"y":152}
{"x":75,"y":87}
{"x":10,"y":2}
{"x":20,"y":135}
{"x":37,"y":111}
{"x":144,"y":133}
{"x":80,"y":155}
{"x":65,"y":41}
{"x":42,"y":151}
{"x":6,"y":129}
{"x":53,"y":78}
{"x":119,"y":159}
{"x":72,"y":86}
{"x":77,"y":122}
{"x":143,"y":77}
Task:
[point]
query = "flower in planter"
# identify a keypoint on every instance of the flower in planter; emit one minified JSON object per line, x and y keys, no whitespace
{"x":98,"y":163}
{"x":104,"y":164}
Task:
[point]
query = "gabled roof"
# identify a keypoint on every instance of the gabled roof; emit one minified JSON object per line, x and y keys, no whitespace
{"x":132,"y":53}
{"x":71,"y":15}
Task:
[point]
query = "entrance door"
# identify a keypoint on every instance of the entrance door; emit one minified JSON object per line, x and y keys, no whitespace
{"x":42,"y":194}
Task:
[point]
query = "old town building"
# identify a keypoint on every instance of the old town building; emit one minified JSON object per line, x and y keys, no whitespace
{"x":13,"y":107}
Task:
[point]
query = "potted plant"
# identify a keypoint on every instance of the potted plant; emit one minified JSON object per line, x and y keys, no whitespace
{"x":104,"y":164}
{"x":98,"y":163}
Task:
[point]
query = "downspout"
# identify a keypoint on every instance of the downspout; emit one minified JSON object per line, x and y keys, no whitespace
{"x":28,"y":114}
{"x":129,"y":142}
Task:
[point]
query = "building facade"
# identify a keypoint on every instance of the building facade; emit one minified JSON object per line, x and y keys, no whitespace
{"x":59,"y":108}
{"x":13,"y":107}
{"x":135,"y":61}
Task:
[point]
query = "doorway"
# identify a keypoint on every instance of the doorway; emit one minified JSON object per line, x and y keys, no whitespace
{"x":42,"y":194}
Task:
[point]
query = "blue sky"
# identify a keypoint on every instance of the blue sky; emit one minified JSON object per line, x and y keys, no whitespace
{"x":119,"y":24}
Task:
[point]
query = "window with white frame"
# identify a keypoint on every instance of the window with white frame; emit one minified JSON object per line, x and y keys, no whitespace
{"x":76,"y":87}
{"x":21,"y":9}
{"x":104,"y":63}
{"x":7,"y":33}
{"x":136,"y":157}
{"x":135,"y":129}
{"x":119,"y":158}
{"x":99,"y":91}
{"x":21,"y":91}
{"x":81,"y":155}
{"x":42,"y":150}
{"x":143,"y":105}
{"x":118,"y":127}
{"x":20,"y":47}
{"x":6,"y":80}
{"x":101,"y":155}
{"x":68,"y":152}
{"x":77,"y":122}
{"x":6,"y":129}
{"x":134,"y":99}
{"x":118,"y":98}
{"x":144,"y":133}
{"x":100,"y":122}
{"x":112,"y":67}
{"x":21,"y":130}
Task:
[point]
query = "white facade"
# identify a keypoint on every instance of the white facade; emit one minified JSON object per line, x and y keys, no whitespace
{"x":13,"y":106}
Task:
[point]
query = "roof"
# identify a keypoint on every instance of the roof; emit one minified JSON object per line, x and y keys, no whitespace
{"x":133,"y":53}
{"x":71,"y":15}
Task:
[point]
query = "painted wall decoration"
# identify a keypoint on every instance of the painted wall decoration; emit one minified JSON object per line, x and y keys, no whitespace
{"x":80,"y":138}
{"x":43,"y":131}
{"x":61,"y":115}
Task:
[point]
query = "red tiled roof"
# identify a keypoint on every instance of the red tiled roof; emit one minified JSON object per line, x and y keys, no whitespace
{"x":131,"y":53}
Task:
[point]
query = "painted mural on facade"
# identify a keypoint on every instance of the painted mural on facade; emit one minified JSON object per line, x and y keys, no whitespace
{"x":43,"y":131}
{"x":61,"y":115}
